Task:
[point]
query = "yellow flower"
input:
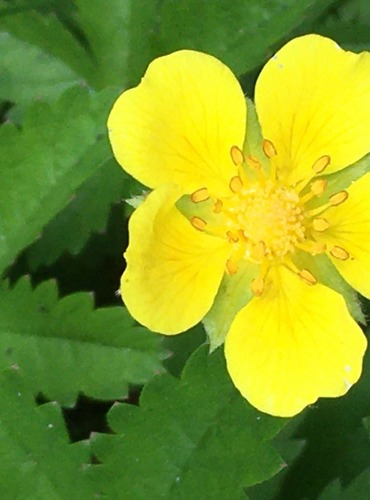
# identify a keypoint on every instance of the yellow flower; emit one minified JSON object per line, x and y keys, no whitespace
{"x":253,"y":227}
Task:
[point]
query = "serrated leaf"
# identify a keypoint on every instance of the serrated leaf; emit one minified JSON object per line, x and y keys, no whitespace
{"x":66,"y":347}
{"x":37,"y":460}
{"x":42,"y":165}
{"x":86,"y":213}
{"x":338,"y":445}
{"x":358,"y":489}
{"x":194,"y":435}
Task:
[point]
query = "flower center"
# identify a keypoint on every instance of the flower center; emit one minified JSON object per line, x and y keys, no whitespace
{"x":267,"y":218}
{"x":266,"y":221}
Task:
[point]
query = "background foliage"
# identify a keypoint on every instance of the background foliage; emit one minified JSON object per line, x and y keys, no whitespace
{"x":74,"y":420}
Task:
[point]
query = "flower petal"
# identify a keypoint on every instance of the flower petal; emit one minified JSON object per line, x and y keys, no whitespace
{"x":350,"y":230}
{"x":292,"y":345}
{"x":179,"y":124}
{"x":313,"y":100}
{"x":173,"y":271}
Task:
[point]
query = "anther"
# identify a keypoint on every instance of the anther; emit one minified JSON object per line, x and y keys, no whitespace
{"x":253,"y":163}
{"x":237,"y":155}
{"x":257,"y":286}
{"x":231,"y":267}
{"x":339,"y":253}
{"x":338,"y":198}
{"x":235,"y":184}
{"x":321,"y":164}
{"x":233,"y":238}
{"x":312,"y":247}
{"x":200,"y":195}
{"x":307,"y":277}
{"x":258,"y":251}
{"x":318,"y":187}
{"x":268,"y":148}
{"x":218,"y":207}
{"x":320,"y":224}
{"x":198,"y":223}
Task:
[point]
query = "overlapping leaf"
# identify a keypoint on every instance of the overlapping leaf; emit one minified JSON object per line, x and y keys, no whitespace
{"x":42,"y":165}
{"x":66,"y":347}
{"x":194,"y":435}
{"x":37,"y":460}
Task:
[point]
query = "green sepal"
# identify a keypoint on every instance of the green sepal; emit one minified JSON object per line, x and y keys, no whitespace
{"x":234,"y":293}
{"x":341,"y":180}
{"x":253,"y":141}
{"x":327,"y":274}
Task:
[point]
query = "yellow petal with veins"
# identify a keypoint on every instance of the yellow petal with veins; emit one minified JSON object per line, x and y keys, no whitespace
{"x":293,"y":344}
{"x":180,"y":123}
{"x":173,"y":271}
{"x":313,"y":102}
{"x":350,"y":230}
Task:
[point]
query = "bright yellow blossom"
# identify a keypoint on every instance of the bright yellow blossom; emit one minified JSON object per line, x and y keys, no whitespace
{"x":252,"y":227}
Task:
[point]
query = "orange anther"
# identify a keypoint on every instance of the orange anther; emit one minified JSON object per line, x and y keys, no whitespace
{"x":320,"y":224}
{"x":268,"y":148}
{"x":321,"y":164}
{"x":237,"y":155}
{"x":339,"y":253}
{"x":233,"y":238}
{"x":200,"y":195}
{"x":318,"y":187}
{"x":198,"y":223}
{"x":231,"y":267}
{"x":259,"y":251}
{"x":338,"y":198}
{"x":258,"y":286}
{"x":307,"y":277}
{"x":253,"y":163}
{"x":235,"y":184}
{"x":218,"y":207}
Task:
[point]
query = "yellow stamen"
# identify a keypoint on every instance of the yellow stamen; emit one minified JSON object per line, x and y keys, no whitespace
{"x":307,"y":277}
{"x":312,"y":247}
{"x":198,"y":223}
{"x":258,"y":251}
{"x":253,"y":163}
{"x":237,"y":155}
{"x":339,"y":253}
{"x":268,"y":148}
{"x":338,"y":198}
{"x":233,"y":238}
{"x":235,"y":184}
{"x":217,"y":209}
{"x":321,"y":164}
{"x":231,"y":267}
{"x":200,"y":195}
{"x":318,"y":187}
{"x":257,"y":286}
{"x":320,"y":224}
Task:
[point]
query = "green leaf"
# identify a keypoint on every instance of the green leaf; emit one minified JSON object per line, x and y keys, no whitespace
{"x":42,"y":165}
{"x":120,"y":36}
{"x":87,"y":212}
{"x":241,"y":33}
{"x":337,"y":444}
{"x":47,"y":33}
{"x":28,"y":73}
{"x":37,"y":460}
{"x":194,"y":435}
{"x":358,"y":489}
{"x":66,"y":347}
